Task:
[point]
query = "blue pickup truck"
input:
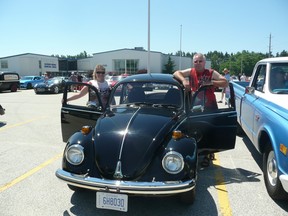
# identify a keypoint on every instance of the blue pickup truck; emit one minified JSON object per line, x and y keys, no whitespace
{"x":262,"y":113}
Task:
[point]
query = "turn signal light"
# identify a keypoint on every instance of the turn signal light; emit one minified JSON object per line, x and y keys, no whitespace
{"x":86,"y":130}
{"x":177,"y":134}
{"x":283,"y":149}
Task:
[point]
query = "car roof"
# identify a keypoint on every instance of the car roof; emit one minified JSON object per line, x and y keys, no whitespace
{"x":29,"y":76}
{"x":275,"y":60}
{"x":151,"y":77}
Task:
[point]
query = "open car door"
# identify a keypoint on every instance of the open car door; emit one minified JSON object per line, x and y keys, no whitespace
{"x":79,"y":112}
{"x":214,"y":129}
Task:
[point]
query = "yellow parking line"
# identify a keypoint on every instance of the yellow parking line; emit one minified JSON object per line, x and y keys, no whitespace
{"x":222,"y":192}
{"x":29,"y":173}
{"x":21,"y":123}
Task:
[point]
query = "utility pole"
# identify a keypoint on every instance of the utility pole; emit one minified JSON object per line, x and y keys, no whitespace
{"x":270,"y":51}
{"x":148,"y":59}
{"x":180,"y":60}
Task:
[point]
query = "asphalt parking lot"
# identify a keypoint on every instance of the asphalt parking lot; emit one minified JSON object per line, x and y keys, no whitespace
{"x":30,"y":153}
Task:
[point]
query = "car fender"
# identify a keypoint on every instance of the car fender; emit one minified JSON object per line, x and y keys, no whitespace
{"x":187,"y":147}
{"x":85,"y":141}
{"x":264,"y":134}
{"x":79,"y":138}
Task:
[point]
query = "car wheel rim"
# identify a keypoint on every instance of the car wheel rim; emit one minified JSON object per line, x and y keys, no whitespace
{"x":56,"y":90}
{"x":272,"y":168}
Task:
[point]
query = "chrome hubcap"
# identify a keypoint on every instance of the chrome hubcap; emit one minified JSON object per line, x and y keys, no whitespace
{"x":272,"y":168}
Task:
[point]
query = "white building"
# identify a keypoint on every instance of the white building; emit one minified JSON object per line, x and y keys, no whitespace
{"x":131,"y":61}
{"x":29,"y":64}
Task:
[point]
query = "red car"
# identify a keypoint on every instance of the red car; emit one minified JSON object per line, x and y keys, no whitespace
{"x":115,"y":79}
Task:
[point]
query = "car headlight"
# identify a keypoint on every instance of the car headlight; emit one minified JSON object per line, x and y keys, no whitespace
{"x":75,"y":154}
{"x":173,"y":162}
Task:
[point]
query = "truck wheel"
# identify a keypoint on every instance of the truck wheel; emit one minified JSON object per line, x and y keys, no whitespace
{"x":271,"y":175}
{"x":29,"y":86}
{"x":14,"y":88}
{"x":56,"y":90}
{"x":188,"y":197}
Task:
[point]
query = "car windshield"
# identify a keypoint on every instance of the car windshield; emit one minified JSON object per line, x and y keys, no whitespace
{"x":148,"y":93}
{"x":115,"y":78}
{"x":53,"y":80}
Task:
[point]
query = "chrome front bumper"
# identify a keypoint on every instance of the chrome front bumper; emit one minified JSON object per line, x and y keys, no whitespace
{"x":284,"y":181}
{"x":128,"y":187}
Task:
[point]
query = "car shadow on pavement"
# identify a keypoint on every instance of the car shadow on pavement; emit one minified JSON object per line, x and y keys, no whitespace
{"x":255,"y":154}
{"x":258,"y":159}
{"x":84,"y":203}
{"x":2,"y":124}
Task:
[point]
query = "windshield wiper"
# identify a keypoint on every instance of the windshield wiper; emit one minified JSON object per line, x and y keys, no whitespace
{"x":171,"y":106}
{"x":140,"y":103}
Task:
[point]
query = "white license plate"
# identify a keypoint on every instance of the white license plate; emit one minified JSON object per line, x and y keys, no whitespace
{"x":41,"y":89}
{"x":113,"y":201}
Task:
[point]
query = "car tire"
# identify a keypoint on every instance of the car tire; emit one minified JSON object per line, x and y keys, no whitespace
{"x":14,"y":88}
{"x":271,"y":175}
{"x":29,"y":86}
{"x":188,"y":197}
{"x":56,"y":89}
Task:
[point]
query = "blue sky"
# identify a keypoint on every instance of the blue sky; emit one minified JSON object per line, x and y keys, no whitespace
{"x":69,"y":27}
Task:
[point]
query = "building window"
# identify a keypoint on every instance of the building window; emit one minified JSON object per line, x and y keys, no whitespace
{"x":132,"y":66}
{"x":4,"y":64}
{"x":129,"y":66}
{"x":40,"y":65}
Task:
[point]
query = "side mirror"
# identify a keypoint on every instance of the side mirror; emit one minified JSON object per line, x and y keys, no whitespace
{"x":249,"y":90}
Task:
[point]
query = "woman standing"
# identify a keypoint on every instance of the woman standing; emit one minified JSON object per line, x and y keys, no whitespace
{"x":99,"y":82}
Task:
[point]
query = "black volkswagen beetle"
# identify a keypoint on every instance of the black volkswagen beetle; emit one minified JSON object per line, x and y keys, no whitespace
{"x":145,"y":142}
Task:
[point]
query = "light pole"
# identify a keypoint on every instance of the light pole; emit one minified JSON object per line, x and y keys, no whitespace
{"x":180,"y":61}
{"x":148,"y":57}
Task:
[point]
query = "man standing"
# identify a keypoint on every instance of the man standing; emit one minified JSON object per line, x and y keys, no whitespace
{"x":73,"y":78}
{"x":194,"y":78}
{"x":227,"y":77}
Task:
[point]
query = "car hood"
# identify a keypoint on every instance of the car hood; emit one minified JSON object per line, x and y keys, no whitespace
{"x":25,"y":80}
{"x":130,"y":137}
{"x":44,"y":84}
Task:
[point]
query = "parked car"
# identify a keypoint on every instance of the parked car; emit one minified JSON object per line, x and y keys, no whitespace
{"x":145,"y":142}
{"x":262,"y":114}
{"x":53,"y":85}
{"x":9,"y":81}
{"x":28,"y":82}
{"x":114,"y":79}
{"x":234,"y":78}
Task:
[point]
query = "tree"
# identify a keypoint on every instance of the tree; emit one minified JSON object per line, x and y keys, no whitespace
{"x":78,"y":56}
{"x":169,"y":67}
{"x":283,"y":53}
